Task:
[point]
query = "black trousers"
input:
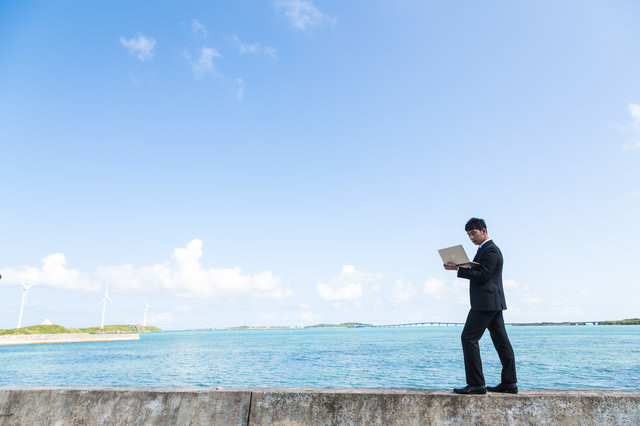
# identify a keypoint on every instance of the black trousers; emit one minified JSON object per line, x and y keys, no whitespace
{"x":477,"y":323}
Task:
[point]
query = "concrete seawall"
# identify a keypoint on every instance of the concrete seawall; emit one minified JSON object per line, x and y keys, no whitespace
{"x":25,"y":339}
{"x":267,"y":406}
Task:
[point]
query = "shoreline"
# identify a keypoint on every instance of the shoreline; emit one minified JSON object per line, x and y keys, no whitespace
{"x":30,"y":339}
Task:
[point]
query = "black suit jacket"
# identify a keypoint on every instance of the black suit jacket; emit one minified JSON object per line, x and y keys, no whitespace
{"x":485,"y":281}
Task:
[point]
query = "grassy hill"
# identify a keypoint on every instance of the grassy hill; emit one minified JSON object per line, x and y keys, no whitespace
{"x":58,"y":329}
{"x":630,"y":321}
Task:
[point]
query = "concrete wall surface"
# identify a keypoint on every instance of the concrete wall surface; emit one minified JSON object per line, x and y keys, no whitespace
{"x":272,"y":406}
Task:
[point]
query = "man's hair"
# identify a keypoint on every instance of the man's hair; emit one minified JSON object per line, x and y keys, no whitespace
{"x":475,"y":223}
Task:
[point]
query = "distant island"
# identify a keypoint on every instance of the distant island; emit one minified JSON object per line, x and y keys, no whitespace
{"x":287,"y":327}
{"x":342,"y":325}
{"x":630,"y":321}
{"x":58,"y":329}
{"x":264,"y":327}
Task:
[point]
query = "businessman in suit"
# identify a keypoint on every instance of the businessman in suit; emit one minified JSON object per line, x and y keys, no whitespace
{"x":487,"y":303}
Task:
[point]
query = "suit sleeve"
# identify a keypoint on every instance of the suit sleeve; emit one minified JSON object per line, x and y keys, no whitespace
{"x":480,"y":274}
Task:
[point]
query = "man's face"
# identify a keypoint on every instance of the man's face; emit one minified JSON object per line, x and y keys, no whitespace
{"x":477,"y":237}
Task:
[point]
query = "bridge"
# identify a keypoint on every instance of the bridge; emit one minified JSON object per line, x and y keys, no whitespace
{"x":459,"y":324}
{"x":420,"y":324}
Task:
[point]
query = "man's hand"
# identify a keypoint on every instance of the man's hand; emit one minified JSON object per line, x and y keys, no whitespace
{"x":450,"y":266}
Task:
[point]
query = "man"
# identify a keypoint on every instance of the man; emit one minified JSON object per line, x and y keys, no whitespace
{"x":487,"y":304}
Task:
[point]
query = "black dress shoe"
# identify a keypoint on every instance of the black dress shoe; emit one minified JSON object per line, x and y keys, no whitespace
{"x":471,"y":390}
{"x":504,"y":388}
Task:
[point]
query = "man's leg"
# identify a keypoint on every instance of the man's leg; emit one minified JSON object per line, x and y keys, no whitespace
{"x":503,"y":347}
{"x":477,"y":322}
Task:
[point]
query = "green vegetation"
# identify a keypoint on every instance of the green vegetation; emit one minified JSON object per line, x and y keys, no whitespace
{"x":630,"y":321}
{"x":58,"y":329}
{"x":40,"y":329}
{"x":343,"y":325}
{"x":120,"y":329}
{"x":548,"y":323}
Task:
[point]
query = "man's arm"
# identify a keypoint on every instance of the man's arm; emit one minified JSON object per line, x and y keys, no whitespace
{"x":480,"y":274}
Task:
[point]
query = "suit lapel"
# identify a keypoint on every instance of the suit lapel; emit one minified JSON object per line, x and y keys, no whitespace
{"x":481,"y":249}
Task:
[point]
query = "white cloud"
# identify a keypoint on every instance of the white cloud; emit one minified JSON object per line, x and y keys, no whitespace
{"x":632,"y":145}
{"x":246,"y":48}
{"x":161,"y":318}
{"x":519,"y":296}
{"x":53,"y":273}
{"x":348,"y":291}
{"x":634,"y":110}
{"x":633,"y":128}
{"x":140,"y":46}
{"x":308,"y":317}
{"x":302,"y":14}
{"x":185,"y":276}
{"x":438,"y":289}
{"x":198,"y":29}
{"x":347,"y":286}
{"x":402,"y":291}
{"x":433,"y":286}
{"x":203,"y":64}
{"x":240,"y":92}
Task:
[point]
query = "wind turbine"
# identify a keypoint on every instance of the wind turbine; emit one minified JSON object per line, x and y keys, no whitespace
{"x":104,"y":303}
{"x":25,"y":289}
{"x":146,"y":308}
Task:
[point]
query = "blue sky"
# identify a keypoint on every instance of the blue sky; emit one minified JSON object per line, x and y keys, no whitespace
{"x":292,"y":162}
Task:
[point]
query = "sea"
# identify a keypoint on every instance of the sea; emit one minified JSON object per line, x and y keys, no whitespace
{"x":547,"y":357}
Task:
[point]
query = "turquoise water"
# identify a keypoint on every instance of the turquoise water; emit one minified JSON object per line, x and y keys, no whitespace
{"x":588,"y":357}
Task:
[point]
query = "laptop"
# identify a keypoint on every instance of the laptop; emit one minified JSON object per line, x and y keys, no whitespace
{"x":457,"y":255}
